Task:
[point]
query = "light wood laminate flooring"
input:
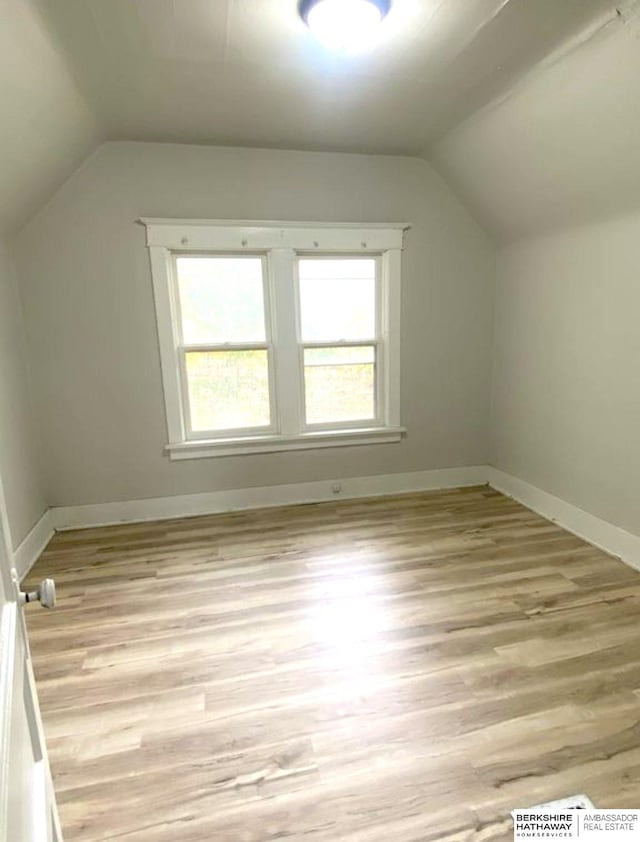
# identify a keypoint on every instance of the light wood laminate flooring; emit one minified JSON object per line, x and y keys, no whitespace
{"x":403,"y":668}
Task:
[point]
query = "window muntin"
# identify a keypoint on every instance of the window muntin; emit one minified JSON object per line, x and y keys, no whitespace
{"x":223,"y":347}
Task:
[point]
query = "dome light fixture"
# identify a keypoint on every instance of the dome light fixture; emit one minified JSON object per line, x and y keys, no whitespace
{"x":344,"y":25}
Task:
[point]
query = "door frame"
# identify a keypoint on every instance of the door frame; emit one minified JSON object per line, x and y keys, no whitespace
{"x":8,"y":644}
{"x":13,"y":639}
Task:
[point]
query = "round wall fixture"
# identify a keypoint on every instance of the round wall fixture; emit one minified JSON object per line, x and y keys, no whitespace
{"x":344,"y":24}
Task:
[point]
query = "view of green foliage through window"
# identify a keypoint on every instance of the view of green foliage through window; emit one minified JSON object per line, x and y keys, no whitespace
{"x":338,"y":304}
{"x":228,"y":389}
{"x":339,"y":384}
{"x":222,"y":301}
{"x":225,"y":340}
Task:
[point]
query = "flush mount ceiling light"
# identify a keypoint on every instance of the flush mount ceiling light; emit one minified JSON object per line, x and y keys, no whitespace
{"x":344,"y":24}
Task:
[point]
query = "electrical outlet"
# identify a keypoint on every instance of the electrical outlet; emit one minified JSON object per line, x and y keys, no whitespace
{"x":336,"y":487}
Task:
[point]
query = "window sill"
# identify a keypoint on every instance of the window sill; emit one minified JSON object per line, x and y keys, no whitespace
{"x":209,"y":448}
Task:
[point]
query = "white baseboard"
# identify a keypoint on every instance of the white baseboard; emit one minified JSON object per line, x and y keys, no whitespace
{"x":612,"y":539}
{"x":27,"y":552}
{"x":187,"y":505}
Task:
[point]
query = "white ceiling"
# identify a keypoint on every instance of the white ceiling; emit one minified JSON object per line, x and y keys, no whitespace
{"x":530,"y":140}
{"x":248,"y":72}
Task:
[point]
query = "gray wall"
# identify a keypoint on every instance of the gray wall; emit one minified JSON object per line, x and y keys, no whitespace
{"x":566,"y":385}
{"x":86,"y":288}
{"x":19,"y":467}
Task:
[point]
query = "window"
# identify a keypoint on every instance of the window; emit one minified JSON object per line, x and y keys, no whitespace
{"x":276,"y":337}
{"x":339,"y":337}
{"x":222,"y":344}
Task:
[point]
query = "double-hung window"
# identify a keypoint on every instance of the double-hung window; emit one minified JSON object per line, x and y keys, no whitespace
{"x":339,"y":308}
{"x":224,"y":344}
{"x":277,"y":336}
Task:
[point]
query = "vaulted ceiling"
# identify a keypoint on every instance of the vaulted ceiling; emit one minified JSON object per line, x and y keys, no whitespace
{"x":47,"y":126}
{"x":562,"y":148}
{"x":247,"y":72}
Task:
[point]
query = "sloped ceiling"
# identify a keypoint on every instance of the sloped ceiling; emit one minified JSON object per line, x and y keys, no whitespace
{"x":249,"y":73}
{"x":559,"y":143}
{"x":47,"y":128}
{"x":564,"y":147}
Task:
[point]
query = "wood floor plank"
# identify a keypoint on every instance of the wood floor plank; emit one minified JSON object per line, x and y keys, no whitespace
{"x":411,"y":667}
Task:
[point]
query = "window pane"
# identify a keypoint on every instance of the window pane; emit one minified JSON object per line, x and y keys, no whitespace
{"x":221,"y":299}
{"x":339,"y":384}
{"x":228,"y":389}
{"x":337,"y":298}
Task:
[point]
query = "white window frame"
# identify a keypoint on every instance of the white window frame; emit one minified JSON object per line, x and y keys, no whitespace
{"x":280,"y":244}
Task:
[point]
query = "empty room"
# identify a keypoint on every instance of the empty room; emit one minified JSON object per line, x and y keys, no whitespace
{"x":319,"y":420}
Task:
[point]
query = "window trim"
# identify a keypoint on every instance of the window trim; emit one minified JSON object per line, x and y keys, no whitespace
{"x":279,"y":244}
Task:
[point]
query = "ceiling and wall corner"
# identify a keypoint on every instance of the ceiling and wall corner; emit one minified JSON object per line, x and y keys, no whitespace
{"x":20,"y":465}
{"x":86,"y":284}
{"x":234,"y":72}
{"x":241,"y":73}
{"x":47,"y":129}
{"x":563,"y":147}
{"x":566,"y":402}
{"x":528,"y":110}
{"x":47,"y":126}
{"x":560,"y":129}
